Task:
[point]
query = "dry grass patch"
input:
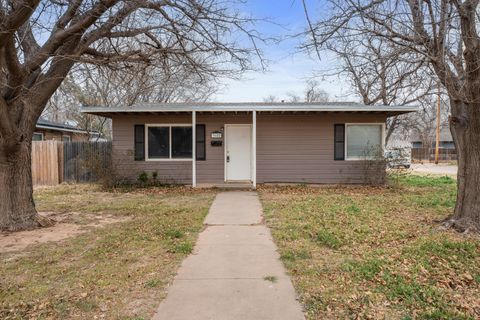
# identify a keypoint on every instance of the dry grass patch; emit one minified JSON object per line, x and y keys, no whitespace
{"x":378,"y":253}
{"x":117,"y":271}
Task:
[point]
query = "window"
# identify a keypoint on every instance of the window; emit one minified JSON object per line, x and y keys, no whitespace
{"x":169,"y":142}
{"x":444,"y":145}
{"x":363,"y":141}
{"x":339,"y":137}
{"x":181,"y":142}
{"x":200,"y":143}
{"x":66,"y":138}
{"x":37,"y":136}
{"x":417,"y":144}
{"x":173,"y":142}
{"x":158,"y":142}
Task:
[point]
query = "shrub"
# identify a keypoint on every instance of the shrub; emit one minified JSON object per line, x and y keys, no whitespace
{"x":143,"y":177}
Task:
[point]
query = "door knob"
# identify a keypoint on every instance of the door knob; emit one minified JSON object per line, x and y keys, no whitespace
{"x":228,"y":158}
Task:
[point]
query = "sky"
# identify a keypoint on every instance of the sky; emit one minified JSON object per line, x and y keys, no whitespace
{"x":287,"y":69}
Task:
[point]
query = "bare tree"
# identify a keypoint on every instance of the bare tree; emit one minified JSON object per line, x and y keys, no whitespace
{"x":445,"y":34}
{"x":271,"y":98}
{"x":380,"y":72}
{"x":314,"y":93}
{"x":423,"y":124}
{"x":94,"y":85}
{"x":41,"y":41}
{"x":293,"y":97}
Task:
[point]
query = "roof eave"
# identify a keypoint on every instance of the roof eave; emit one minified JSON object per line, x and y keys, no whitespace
{"x":108,"y":112}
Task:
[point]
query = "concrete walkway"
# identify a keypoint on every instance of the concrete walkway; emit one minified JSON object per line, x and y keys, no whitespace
{"x":225,"y":276}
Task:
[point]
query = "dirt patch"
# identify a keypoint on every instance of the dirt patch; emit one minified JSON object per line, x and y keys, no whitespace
{"x":66,"y":226}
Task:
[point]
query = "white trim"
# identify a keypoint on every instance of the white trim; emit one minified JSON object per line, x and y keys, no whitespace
{"x":169,"y":125}
{"x":254,"y":150}
{"x":194,"y":144}
{"x":225,"y":173}
{"x":40,"y":133}
{"x":382,"y":139}
{"x":69,"y":138}
{"x":248,"y":107}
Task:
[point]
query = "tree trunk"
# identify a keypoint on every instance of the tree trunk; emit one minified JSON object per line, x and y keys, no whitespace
{"x":465,"y":127}
{"x":17,"y":209}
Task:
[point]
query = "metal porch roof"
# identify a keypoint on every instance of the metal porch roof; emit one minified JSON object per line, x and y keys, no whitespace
{"x":248,"y":107}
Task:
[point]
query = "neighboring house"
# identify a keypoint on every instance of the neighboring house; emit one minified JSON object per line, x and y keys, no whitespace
{"x":429,"y":140}
{"x":48,"y":130}
{"x":247,"y":142}
{"x":423,"y":146}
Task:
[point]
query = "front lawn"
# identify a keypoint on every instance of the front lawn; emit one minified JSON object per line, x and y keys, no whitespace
{"x":116,"y":271}
{"x":376,"y":252}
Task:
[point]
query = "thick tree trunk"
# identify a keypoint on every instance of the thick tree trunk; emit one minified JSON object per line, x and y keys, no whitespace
{"x":17,"y":209}
{"x":465,"y":127}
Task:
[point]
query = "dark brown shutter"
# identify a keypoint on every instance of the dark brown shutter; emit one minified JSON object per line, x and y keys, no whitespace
{"x":139,"y":136}
{"x":339,"y":141}
{"x":200,"y":143}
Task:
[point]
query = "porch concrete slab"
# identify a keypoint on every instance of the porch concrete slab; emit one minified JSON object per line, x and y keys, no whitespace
{"x":235,"y":208}
{"x":224,"y":278}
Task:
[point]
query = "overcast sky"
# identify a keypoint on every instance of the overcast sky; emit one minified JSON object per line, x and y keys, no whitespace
{"x":287,"y":68}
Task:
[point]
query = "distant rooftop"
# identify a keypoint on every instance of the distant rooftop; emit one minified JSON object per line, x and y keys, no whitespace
{"x":50,"y":125}
{"x":445,"y":135}
{"x":249,"y":106}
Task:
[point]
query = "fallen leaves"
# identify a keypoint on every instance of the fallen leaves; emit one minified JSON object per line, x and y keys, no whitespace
{"x":421,"y":269}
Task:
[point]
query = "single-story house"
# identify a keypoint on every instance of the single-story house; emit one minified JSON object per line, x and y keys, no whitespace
{"x":428,"y":140}
{"x":49,"y":130}
{"x":246,"y":142}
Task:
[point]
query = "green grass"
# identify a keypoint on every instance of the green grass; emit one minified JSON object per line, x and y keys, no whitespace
{"x":427,"y":181}
{"x":376,"y":252}
{"x":328,"y":239}
{"x":118,"y":271}
{"x":365,"y":269}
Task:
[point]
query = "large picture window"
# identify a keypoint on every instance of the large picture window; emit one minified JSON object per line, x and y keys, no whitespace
{"x":363,"y":141}
{"x":173,"y":142}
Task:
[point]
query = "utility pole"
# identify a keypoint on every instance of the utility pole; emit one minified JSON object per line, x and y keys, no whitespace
{"x":437,"y":140}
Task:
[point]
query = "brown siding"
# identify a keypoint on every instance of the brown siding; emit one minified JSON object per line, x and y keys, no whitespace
{"x":208,"y":171}
{"x":290,"y":148}
{"x":212,"y":169}
{"x":299,"y":148}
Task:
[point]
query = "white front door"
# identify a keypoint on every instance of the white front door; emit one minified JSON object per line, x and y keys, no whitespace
{"x":238,"y":150}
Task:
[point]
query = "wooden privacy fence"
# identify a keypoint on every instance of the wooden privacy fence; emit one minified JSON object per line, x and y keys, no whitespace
{"x":46,"y":160}
{"x":428,"y":154}
{"x":54,"y":162}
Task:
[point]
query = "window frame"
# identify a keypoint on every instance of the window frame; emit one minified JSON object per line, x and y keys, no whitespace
{"x":382,"y":138}
{"x":169,"y":126}
{"x":39,"y":133}
{"x":66,"y":135}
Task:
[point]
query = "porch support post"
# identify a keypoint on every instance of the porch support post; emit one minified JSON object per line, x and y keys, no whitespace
{"x":194,"y":154}
{"x":254,"y":147}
